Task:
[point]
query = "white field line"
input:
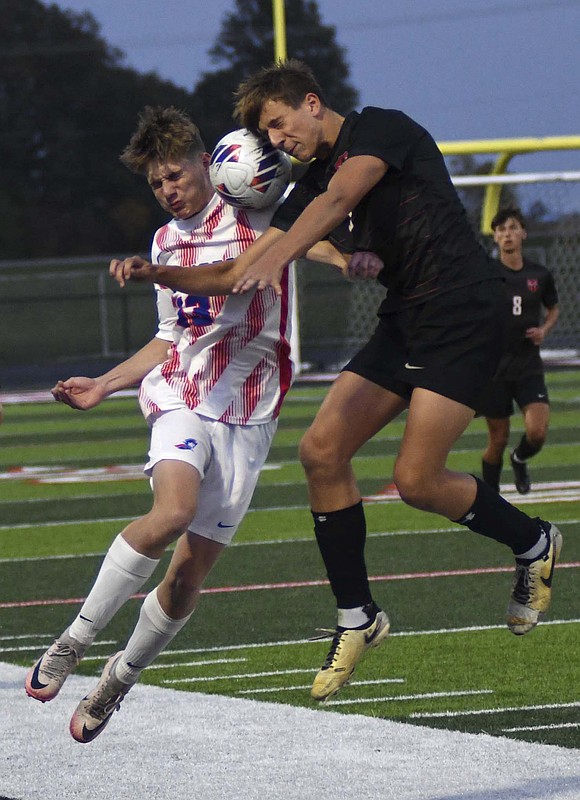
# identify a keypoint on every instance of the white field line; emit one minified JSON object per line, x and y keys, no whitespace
{"x":549,"y":492}
{"x":485,"y":711}
{"x":291,"y":540}
{"x":55,"y":474}
{"x":541,"y":727}
{"x":239,"y":676}
{"x":35,"y":526}
{"x":259,"y":587}
{"x":292,"y":642}
{"x":542,"y":492}
{"x":45,"y":644}
{"x":275,"y":689}
{"x":205,"y":663}
{"x":405,"y":697}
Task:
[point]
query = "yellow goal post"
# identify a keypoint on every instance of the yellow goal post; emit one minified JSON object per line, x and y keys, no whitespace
{"x":505,"y":149}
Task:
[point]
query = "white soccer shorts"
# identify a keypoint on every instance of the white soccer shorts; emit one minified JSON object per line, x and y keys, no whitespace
{"x":228,"y":457}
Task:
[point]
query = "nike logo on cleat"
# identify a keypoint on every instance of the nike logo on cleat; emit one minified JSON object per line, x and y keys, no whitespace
{"x":548,"y":581}
{"x":34,"y":682}
{"x":412,"y":366}
{"x":88,"y":735}
{"x":370,"y":636}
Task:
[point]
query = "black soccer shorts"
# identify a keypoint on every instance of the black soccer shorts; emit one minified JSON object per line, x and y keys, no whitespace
{"x":450,"y":345}
{"x":498,"y":401}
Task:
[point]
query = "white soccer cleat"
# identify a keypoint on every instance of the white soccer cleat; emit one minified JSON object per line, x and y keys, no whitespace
{"x":94,"y":712}
{"x":46,"y":678}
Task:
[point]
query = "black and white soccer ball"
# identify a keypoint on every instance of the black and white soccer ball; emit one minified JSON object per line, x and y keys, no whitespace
{"x":247,"y":172}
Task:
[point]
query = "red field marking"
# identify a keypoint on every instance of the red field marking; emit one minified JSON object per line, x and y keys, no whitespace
{"x":255,"y":587}
{"x":542,"y":492}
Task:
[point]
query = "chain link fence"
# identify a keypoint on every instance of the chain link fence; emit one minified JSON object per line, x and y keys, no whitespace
{"x":67,"y":317}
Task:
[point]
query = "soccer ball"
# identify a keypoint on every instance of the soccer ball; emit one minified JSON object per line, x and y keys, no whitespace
{"x":247,"y":172}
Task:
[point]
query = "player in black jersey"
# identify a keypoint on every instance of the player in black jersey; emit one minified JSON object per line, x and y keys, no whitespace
{"x":533,"y":311}
{"x":436,"y":346}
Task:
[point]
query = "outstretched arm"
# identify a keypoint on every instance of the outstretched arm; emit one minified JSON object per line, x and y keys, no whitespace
{"x":221,"y":278}
{"x":83,"y":393}
{"x":206,"y":281}
{"x":345,"y":190}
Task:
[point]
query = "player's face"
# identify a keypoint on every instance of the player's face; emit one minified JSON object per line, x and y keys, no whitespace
{"x":183,"y":187}
{"x":509,"y":236}
{"x":296,"y":131}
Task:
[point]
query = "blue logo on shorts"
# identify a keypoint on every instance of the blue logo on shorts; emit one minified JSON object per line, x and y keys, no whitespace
{"x":187,"y":444}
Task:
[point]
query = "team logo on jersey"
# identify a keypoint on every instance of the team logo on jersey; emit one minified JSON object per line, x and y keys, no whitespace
{"x":187,"y":444}
{"x":533,"y":284}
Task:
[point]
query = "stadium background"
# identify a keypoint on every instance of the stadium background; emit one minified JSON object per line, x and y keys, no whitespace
{"x":40,"y":299}
{"x":69,"y":481}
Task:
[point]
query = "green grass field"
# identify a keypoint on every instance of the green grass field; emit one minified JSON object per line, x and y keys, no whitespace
{"x":69,"y":481}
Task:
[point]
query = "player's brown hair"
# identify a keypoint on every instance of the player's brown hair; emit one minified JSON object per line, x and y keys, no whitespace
{"x":505,"y":213}
{"x":163,"y":134}
{"x":288,"y":81}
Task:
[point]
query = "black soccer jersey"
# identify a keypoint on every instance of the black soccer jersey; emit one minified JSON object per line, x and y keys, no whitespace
{"x":528,"y":291}
{"x":413,"y":218}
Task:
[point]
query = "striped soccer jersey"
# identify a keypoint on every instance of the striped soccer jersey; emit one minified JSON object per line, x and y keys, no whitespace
{"x":229,"y":356}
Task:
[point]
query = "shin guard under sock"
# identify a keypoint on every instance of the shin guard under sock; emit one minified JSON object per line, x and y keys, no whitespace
{"x":122,"y":574}
{"x":492,"y":516}
{"x":152,"y":634}
{"x":341,"y":537}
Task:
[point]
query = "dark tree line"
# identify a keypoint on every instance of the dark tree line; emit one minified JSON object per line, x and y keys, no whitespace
{"x":246,"y":43}
{"x":68,"y":108}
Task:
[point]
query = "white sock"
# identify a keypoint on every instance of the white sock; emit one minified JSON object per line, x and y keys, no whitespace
{"x":152,"y":634}
{"x":122,"y":573}
{"x":352,"y":617}
{"x":536,"y":551}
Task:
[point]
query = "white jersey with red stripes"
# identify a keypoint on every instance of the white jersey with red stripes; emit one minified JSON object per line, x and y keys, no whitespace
{"x":229,"y":357}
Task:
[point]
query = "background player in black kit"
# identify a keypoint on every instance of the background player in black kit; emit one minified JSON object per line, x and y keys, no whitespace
{"x":437,"y":344}
{"x":531,"y":294}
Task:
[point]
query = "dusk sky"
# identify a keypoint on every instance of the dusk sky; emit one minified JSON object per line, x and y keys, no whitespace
{"x":465,"y":69}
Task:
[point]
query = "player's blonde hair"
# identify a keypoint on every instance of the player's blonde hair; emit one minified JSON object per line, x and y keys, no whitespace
{"x":288,"y":81}
{"x":162,"y":134}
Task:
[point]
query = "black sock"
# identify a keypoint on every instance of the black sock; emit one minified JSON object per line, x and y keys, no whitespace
{"x":526,"y":449}
{"x":492,"y":516}
{"x":341,"y":537}
{"x":491,"y":474}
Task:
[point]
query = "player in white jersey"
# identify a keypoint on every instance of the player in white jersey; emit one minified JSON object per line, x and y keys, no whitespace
{"x":212,"y":382}
{"x":229,"y":360}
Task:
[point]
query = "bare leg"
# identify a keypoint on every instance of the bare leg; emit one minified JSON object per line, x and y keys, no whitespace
{"x":434,"y":424}
{"x":353,"y":411}
{"x":191,"y":563}
{"x":175,"y":488}
{"x":498,"y":431}
{"x":536,"y":419}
